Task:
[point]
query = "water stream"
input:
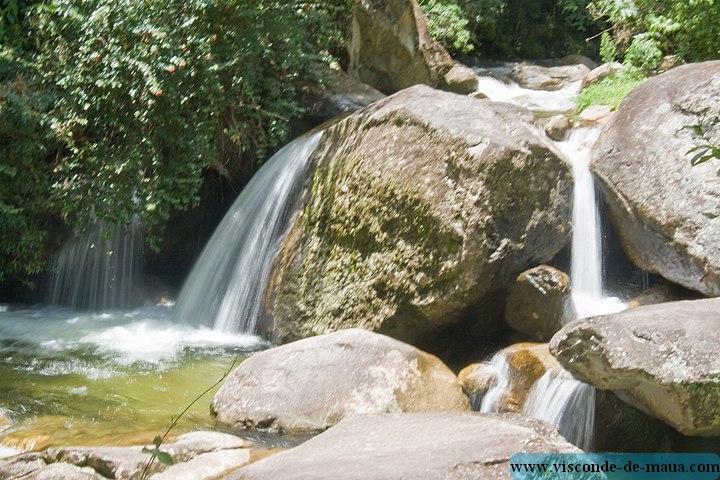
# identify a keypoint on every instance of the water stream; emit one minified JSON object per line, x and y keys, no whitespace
{"x":225,"y":288}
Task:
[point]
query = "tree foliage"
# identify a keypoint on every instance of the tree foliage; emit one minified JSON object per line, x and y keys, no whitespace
{"x":113,"y":109}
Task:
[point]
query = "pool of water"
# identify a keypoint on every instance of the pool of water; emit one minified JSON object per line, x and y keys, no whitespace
{"x":111,"y":378}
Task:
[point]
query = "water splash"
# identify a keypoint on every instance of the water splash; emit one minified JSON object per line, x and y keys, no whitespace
{"x":95,"y":270}
{"x":566,"y":403}
{"x":225,"y":288}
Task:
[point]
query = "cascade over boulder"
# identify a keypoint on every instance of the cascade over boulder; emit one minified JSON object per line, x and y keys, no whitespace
{"x":310,"y":385}
{"x":667,"y":212}
{"x":412,"y":446}
{"x":391,"y":49}
{"x":421,"y":205}
{"x":662,"y":359}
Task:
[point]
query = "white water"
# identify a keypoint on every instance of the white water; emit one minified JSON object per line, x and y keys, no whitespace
{"x":566,"y":403}
{"x":540,"y":101}
{"x":225,"y":288}
{"x":95,"y":270}
{"x":492,"y":399}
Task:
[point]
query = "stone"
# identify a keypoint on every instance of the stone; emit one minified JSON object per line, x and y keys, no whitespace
{"x":309,"y":385}
{"x":557,"y":127}
{"x":206,"y":466}
{"x":63,"y":471}
{"x":412,"y":446}
{"x":536,"y":77}
{"x":476,"y":379}
{"x":595,"y":115}
{"x":21,"y":465}
{"x":666,"y":212}
{"x":540,"y":303}
{"x":460,"y":79}
{"x":391,"y":49}
{"x":601,"y":72}
{"x":661,"y":359}
{"x":662,"y":292}
{"x":341,"y":94}
{"x":572,"y":59}
{"x":420,"y":208}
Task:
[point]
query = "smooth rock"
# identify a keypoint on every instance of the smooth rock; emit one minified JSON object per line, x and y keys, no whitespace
{"x":19,"y":466}
{"x":391,"y":48}
{"x":421,"y":207}
{"x":460,"y":79}
{"x":595,"y":115}
{"x":63,"y":471}
{"x":663,"y":292}
{"x":207,"y":466}
{"x":666,"y":212}
{"x":476,"y":379}
{"x":540,"y":303}
{"x":309,"y":385}
{"x":557,"y":127}
{"x":410,"y":447}
{"x":662,"y":359}
{"x":536,"y":77}
{"x":601,"y":72}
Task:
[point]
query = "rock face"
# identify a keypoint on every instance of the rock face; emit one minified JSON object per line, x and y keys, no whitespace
{"x":412,"y":446}
{"x":420,"y":206}
{"x":667,"y":213}
{"x":310,"y":385}
{"x":662,"y":359}
{"x":391,"y":49}
{"x":536,"y":77}
{"x":539,"y":303}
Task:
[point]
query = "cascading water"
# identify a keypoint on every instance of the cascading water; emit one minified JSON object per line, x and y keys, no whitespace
{"x":225,"y":288}
{"x":566,"y":403}
{"x":95,"y":270}
{"x":493,"y":397}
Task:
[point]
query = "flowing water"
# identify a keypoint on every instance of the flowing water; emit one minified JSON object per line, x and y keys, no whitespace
{"x":95,"y":270}
{"x":566,"y":403}
{"x":112,"y":377}
{"x":492,"y":400}
{"x":225,"y":288}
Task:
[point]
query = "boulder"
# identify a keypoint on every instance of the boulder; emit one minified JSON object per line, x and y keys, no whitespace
{"x":476,"y":380}
{"x":572,"y":59}
{"x":601,"y":72}
{"x":341,"y":94}
{"x":420,"y":206}
{"x":460,"y":79}
{"x":662,"y":292}
{"x":540,"y":303}
{"x":595,"y":115}
{"x":557,"y":127}
{"x":206,"y":466}
{"x":309,"y":385}
{"x":412,"y":446}
{"x":21,"y":465}
{"x":536,"y":77}
{"x":63,"y":471}
{"x":666,"y":212}
{"x":391,"y":48}
{"x":661,"y":359}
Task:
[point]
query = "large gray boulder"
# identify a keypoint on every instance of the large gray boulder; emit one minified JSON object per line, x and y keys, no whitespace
{"x":411,"y":447}
{"x":309,"y":385}
{"x":662,"y":359}
{"x":421,"y":205}
{"x":667,"y":212}
{"x":391,"y":49}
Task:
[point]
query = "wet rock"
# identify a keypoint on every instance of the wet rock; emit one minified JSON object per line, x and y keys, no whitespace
{"x":661,"y":359}
{"x":540,"y":303}
{"x":421,"y":207}
{"x":663,"y":292}
{"x":664,"y":209}
{"x":536,"y":77}
{"x":309,"y":385}
{"x":412,"y":446}
{"x":391,"y":48}
{"x":476,"y":380}
{"x":557,"y":127}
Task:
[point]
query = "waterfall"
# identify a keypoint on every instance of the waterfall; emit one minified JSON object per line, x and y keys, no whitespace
{"x":566,"y":403}
{"x":225,"y":287}
{"x":95,"y":270}
{"x":492,"y":399}
{"x":586,"y":266}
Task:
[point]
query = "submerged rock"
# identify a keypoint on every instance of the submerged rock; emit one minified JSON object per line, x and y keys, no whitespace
{"x":412,"y":446}
{"x":309,"y":385}
{"x":662,"y":359}
{"x":420,"y":206}
{"x":667,"y":212}
{"x":540,"y":303}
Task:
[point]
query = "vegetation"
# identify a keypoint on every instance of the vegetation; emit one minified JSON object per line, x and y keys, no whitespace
{"x":610,"y":90}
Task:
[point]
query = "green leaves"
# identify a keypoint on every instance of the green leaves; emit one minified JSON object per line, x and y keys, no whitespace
{"x":706,"y":150}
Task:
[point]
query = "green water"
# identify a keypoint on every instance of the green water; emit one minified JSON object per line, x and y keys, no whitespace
{"x":68,"y":378}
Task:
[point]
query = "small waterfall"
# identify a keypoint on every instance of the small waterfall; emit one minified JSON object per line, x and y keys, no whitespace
{"x":566,"y":403}
{"x":95,"y":270}
{"x":492,"y":399}
{"x":225,"y":287}
{"x":587,"y":262}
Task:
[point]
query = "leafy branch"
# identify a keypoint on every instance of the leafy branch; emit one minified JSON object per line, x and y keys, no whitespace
{"x":707,"y":150}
